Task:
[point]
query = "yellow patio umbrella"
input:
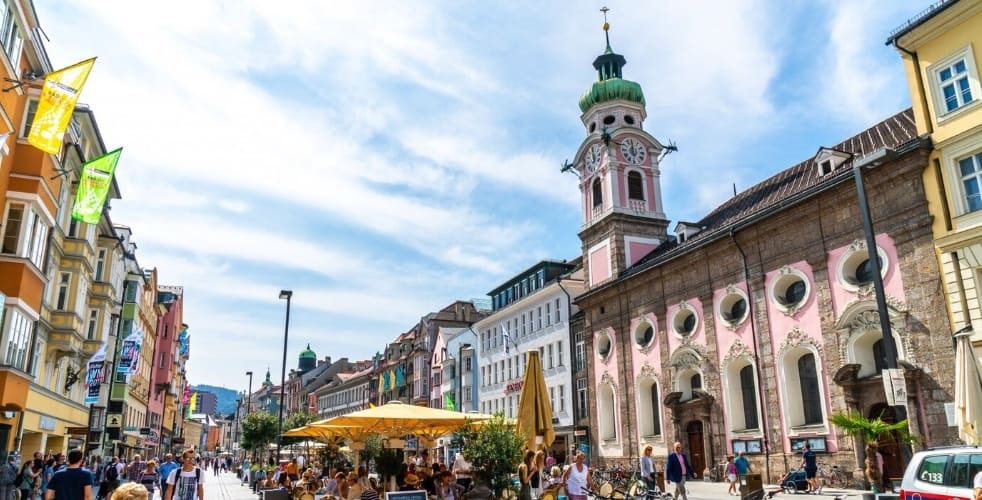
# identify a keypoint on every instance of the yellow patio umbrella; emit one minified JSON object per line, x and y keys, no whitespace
{"x":534,"y":410}
{"x":395,"y":419}
{"x":968,"y":391}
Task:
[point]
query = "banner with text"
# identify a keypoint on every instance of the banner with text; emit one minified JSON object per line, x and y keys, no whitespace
{"x":57,"y":103}
{"x":127,"y":354}
{"x":93,"y":188}
{"x":95,"y":375}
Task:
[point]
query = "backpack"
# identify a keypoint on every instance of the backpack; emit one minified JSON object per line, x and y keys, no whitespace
{"x":111,"y":473}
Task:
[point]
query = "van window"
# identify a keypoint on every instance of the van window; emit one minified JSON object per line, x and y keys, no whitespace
{"x":964,"y":468}
{"x":932,"y":469}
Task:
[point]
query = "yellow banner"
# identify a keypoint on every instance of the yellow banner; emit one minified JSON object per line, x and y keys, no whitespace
{"x":58,"y":98}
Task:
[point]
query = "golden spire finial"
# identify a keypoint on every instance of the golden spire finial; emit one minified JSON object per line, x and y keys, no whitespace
{"x":606,"y":24}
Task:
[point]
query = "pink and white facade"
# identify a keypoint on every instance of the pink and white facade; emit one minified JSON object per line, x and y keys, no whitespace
{"x":747,"y":330}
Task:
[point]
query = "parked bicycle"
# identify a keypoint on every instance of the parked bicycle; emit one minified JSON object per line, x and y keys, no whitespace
{"x":833,"y":476}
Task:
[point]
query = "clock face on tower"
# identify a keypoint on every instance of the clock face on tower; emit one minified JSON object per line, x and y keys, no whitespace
{"x":593,"y":158}
{"x":633,"y":151}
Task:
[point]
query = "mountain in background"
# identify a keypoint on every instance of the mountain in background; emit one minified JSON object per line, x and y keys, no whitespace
{"x":226,"y":397}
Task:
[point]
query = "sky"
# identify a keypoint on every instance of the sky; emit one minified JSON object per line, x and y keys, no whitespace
{"x":384,"y":159}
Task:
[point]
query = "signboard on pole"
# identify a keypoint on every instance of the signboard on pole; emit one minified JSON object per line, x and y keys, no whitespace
{"x":895,"y":387}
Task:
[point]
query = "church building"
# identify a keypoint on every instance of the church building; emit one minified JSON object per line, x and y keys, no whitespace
{"x":747,"y":329}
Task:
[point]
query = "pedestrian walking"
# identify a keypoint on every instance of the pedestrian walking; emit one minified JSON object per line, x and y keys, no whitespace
{"x":677,"y":470}
{"x":26,"y":480}
{"x":731,"y":476}
{"x":135,"y":470}
{"x":150,"y":478}
{"x":186,"y":483}
{"x":131,"y":491}
{"x":648,"y":472}
{"x":164,"y":471}
{"x":577,"y":477}
{"x":71,"y":483}
{"x":8,"y":475}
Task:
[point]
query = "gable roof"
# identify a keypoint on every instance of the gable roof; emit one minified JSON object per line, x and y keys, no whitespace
{"x":800,"y":180}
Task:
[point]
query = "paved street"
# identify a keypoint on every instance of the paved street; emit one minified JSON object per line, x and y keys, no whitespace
{"x":226,"y":486}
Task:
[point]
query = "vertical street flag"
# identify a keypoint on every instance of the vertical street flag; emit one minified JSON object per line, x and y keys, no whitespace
{"x":192,"y":404}
{"x":448,"y":402}
{"x":127,"y":354}
{"x":504,"y":336}
{"x":95,"y":375}
{"x":97,"y":177}
{"x":135,"y":365}
{"x":184,"y":343}
{"x":57,"y":103}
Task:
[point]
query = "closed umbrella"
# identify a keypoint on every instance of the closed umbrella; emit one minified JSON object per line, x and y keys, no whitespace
{"x":534,"y":408}
{"x":968,"y":391}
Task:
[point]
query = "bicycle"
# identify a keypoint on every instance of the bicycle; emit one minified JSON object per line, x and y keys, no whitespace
{"x":833,"y":476}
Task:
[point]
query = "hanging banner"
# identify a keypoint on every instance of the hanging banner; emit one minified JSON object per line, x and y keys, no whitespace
{"x":95,"y":375}
{"x":184,"y":343}
{"x":135,"y":365}
{"x":127,"y":354}
{"x":186,"y":395}
{"x":93,"y":187}
{"x":57,"y":103}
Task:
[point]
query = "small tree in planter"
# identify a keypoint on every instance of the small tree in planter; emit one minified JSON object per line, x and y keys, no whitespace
{"x":494,"y":450}
{"x":387,"y":465}
{"x":872,"y":431}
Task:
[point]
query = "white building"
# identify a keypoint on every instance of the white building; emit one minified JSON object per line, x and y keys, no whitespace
{"x":531,"y":311}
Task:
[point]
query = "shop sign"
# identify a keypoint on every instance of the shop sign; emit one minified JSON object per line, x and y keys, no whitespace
{"x":46,"y":423}
{"x":514,"y":386}
{"x":114,"y":420}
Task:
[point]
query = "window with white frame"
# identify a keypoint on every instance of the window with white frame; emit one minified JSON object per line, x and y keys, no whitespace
{"x":559,"y":353}
{"x":581,"y":409}
{"x":11,"y":36}
{"x":64,"y":287}
{"x":552,"y":398}
{"x":467,"y":394}
{"x":100,"y":265}
{"x":558,"y":317}
{"x":16,"y":330}
{"x":36,"y":353}
{"x":552,"y":359}
{"x":955,"y":82}
{"x":970,"y":169}
{"x":93,"y":322}
{"x":25,"y":232}
{"x":562,"y":399}
{"x":548,"y":313}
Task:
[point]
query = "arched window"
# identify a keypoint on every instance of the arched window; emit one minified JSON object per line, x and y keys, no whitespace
{"x":696,"y":381}
{"x":608,"y":413}
{"x":649,"y":416}
{"x":748,"y":389}
{"x":598,"y":193}
{"x":811,"y":401}
{"x":635,"y":188}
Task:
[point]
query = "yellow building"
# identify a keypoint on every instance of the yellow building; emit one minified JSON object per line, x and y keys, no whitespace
{"x":85,"y":266}
{"x":941,"y":50}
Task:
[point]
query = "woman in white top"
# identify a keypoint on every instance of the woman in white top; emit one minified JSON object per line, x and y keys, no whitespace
{"x":576,"y":479}
{"x":462,"y":469}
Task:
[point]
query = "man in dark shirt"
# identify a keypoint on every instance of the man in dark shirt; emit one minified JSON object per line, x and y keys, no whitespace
{"x":71,"y":483}
{"x":810,"y":464}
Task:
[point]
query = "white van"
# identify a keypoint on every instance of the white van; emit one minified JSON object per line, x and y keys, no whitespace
{"x":942,"y":473}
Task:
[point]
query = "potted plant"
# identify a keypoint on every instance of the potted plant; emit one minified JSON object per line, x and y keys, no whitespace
{"x":494,"y":451}
{"x":388,"y":462}
{"x":872,"y":431}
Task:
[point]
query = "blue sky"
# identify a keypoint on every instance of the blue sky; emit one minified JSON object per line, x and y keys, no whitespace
{"x":382,"y":161}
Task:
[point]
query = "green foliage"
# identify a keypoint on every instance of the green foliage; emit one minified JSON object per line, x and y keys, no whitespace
{"x":388,"y":462}
{"x":870,"y":430}
{"x":294,"y":420}
{"x":494,"y":450}
{"x":330,"y":455}
{"x":373,"y":448}
{"x":258,"y":430}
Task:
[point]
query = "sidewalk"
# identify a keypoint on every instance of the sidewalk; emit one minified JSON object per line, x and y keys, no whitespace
{"x":225,"y":486}
{"x":699,"y":490}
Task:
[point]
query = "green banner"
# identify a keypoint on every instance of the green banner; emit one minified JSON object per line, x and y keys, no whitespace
{"x":97,"y":177}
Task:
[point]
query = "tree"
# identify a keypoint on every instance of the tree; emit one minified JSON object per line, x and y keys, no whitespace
{"x":258,"y":430}
{"x":872,"y":431}
{"x":494,"y":449}
{"x":294,"y":420}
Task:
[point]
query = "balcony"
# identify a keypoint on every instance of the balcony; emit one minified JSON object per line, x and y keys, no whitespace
{"x":101,"y":294}
{"x":79,"y":249}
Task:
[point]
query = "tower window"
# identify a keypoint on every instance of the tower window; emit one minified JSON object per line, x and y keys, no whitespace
{"x":635,"y":188}
{"x":628,"y":119}
{"x":593,"y":127}
{"x":598,"y":196}
{"x":609,"y":120}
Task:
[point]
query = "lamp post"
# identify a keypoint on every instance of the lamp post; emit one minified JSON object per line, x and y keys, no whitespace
{"x":249,"y":400}
{"x":875,"y":159}
{"x":284,"y":294}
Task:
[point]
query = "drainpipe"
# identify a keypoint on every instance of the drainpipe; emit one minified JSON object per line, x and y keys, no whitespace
{"x":922,"y":93}
{"x":753,"y":332}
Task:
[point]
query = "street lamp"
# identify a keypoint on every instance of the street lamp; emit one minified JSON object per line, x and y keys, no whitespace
{"x":249,"y":401}
{"x":874,"y":159}
{"x":284,"y":294}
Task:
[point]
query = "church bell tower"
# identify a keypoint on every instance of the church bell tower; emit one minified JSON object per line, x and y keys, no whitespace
{"x":620,"y":180}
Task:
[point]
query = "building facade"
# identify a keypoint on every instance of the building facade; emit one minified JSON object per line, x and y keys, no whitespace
{"x":167,"y":364}
{"x":747,"y":329}
{"x":531,"y":311}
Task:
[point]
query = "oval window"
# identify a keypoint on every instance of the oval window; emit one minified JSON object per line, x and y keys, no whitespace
{"x":685,"y":322}
{"x":604,"y":345}
{"x":593,"y":127}
{"x":738,"y":309}
{"x":628,"y":119}
{"x":609,"y":119}
{"x":864,"y":271}
{"x":795,"y":293}
{"x":644,"y":335}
